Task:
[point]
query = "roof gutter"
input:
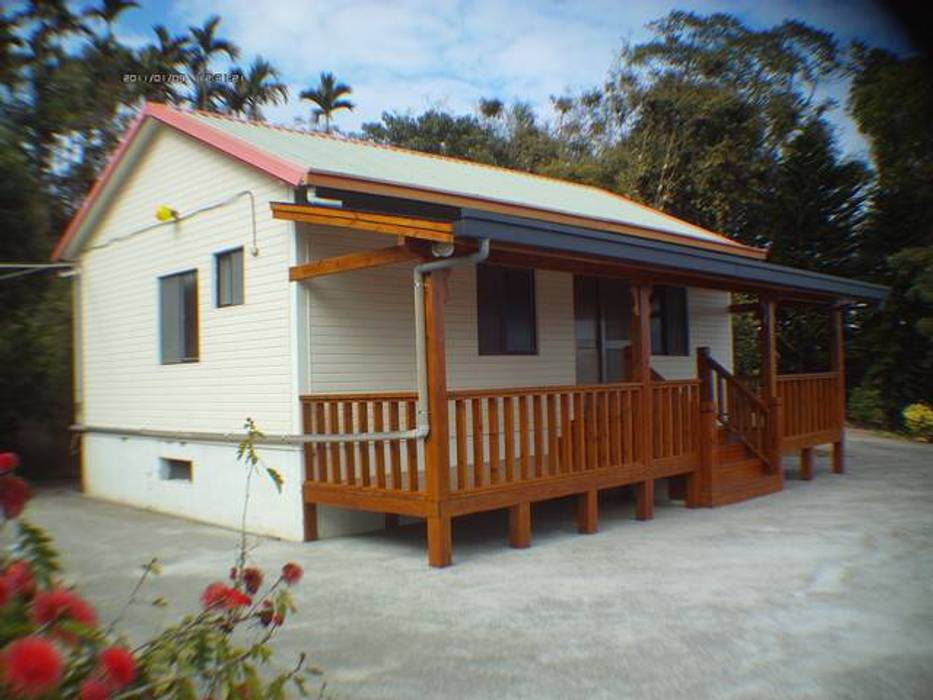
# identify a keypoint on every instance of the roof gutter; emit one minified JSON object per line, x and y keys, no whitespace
{"x":475,"y":223}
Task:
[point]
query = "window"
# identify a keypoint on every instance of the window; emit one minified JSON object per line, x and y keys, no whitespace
{"x":175,"y":469}
{"x":669,"y":321}
{"x":505,"y":302}
{"x":178,"y":311}
{"x":229,"y":274}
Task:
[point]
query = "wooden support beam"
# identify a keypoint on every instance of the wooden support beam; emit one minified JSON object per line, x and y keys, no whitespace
{"x":838,"y":365}
{"x":393,"y":225}
{"x":437,"y":444}
{"x":357,"y":261}
{"x":769,"y":387}
{"x":310,"y":522}
{"x":588,"y":512}
{"x":641,"y":373}
{"x":644,"y":500}
{"x":806,"y":463}
{"x":520,"y":525}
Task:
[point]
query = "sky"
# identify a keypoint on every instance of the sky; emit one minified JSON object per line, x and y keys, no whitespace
{"x":411,"y":55}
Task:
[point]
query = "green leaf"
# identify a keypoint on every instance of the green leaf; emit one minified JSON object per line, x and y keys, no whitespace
{"x":276,"y":478}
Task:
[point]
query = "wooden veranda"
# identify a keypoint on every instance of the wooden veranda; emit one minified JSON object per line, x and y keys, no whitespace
{"x":717,"y":438}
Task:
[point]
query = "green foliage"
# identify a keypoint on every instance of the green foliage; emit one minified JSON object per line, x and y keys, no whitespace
{"x":918,"y":419}
{"x":33,"y":545}
{"x":866,"y":407}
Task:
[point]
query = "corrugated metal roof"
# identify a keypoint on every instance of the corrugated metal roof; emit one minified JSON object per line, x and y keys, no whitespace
{"x":333,"y":155}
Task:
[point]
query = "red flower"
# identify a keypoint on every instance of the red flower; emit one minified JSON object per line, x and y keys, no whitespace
{"x":59,"y":604}
{"x":218,"y":595}
{"x":31,"y":666}
{"x":94,"y":689}
{"x":8,"y":462}
{"x":252,"y":579}
{"x":292,"y":573}
{"x":118,"y":665}
{"x":6,"y":591}
{"x":19,"y":576}
{"x":14,"y":492}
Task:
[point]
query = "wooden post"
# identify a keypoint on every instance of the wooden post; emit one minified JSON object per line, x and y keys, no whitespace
{"x":837,"y":365}
{"x":700,"y":483}
{"x":769,"y":387}
{"x":436,"y":446}
{"x":806,"y":463}
{"x":520,"y":525}
{"x":641,"y":373}
{"x":310,"y":522}
{"x":588,"y":512}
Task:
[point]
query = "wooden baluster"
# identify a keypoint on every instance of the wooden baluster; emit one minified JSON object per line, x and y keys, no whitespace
{"x":508,"y":410}
{"x":579,"y":424}
{"x":604,"y":448}
{"x":492,"y":410}
{"x":307,"y":427}
{"x":411,"y":446}
{"x":539,"y":436}
{"x":363,"y":424}
{"x":523,"y":436}
{"x":628,"y":436}
{"x":552,"y":434}
{"x":566,"y":438}
{"x":379,"y":445}
{"x":395,"y":455}
{"x":349,"y":447}
{"x":461,"y":433}
{"x":615,"y":428}
{"x":479,"y":458}
{"x":592,"y":427}
{"x":320,"y":450}
{"x":334,"y":418}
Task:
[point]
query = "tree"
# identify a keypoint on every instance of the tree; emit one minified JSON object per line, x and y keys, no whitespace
{"x":109,"y":11}
{"x":163,"y":59}
{"x":257,"y":86}
{"x":891,"y":99}
{"x":329,"y":96}
{"x":206,"y":46}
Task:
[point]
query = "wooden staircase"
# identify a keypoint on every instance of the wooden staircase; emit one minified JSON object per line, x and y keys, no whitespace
{"x":737,"y":474}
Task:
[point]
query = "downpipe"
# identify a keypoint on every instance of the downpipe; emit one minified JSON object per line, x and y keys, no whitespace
{"x":423,"y":419}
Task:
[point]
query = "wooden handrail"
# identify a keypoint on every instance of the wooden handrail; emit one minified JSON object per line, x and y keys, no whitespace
{"x":738,"y":409}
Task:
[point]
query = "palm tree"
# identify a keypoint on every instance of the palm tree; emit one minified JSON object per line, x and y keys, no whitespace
{"x":163,"y":59}
{"x":205,"y":46}
{"x":258,"y":86}
{"x":329,"y":96}
{"x":109,"y":11}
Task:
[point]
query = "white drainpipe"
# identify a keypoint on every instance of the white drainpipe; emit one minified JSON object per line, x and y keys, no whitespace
{"x":423,"y":419}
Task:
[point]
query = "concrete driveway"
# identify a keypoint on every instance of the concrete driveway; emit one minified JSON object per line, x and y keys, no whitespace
{"x":822,"y":591}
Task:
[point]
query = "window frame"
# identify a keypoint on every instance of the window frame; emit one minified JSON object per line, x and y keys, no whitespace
{"x":218,"y":281}
{"x":661,"y":295}
{"x":498,"y":311}
{"x":166,"y":465}
{"x":187,"y":322}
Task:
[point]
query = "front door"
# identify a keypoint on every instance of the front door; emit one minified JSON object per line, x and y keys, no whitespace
{"x":603,"y":311}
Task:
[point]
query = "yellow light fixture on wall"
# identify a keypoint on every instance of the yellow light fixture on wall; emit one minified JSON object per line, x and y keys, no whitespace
{"x":166,"y":213}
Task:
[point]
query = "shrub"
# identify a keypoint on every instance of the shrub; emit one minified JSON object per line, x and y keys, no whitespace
{"x":918,"y":419}
{"x":52,"y":644}
{"x":866,"y":407}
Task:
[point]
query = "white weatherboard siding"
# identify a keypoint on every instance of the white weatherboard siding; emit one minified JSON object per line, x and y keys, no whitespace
{"x":362,"y":328}
{"x":245,"y":366}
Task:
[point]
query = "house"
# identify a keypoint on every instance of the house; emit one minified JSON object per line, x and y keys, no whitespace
{"x":417,"y":336}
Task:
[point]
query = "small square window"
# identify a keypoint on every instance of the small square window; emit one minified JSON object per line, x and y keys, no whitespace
{"x":175,"y":469}
{"x":229,"y":274}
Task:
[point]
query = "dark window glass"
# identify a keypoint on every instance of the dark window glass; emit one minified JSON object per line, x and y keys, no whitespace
{"x":505,"y":300}
{"x":229,"y":274}
{"x":669,"y":334}
{"x":178,"y":312}
{"x":176,"y":470}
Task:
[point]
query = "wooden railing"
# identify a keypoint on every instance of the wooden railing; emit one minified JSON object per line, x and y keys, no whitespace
{"x":676,"y":409}
{"x":384,"y":464}
{"x":738,"y":409}
{"x":810,"y":403}
{"x":502,"y":436}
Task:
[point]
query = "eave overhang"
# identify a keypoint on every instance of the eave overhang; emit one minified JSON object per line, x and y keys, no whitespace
{"x":632,"y":250}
